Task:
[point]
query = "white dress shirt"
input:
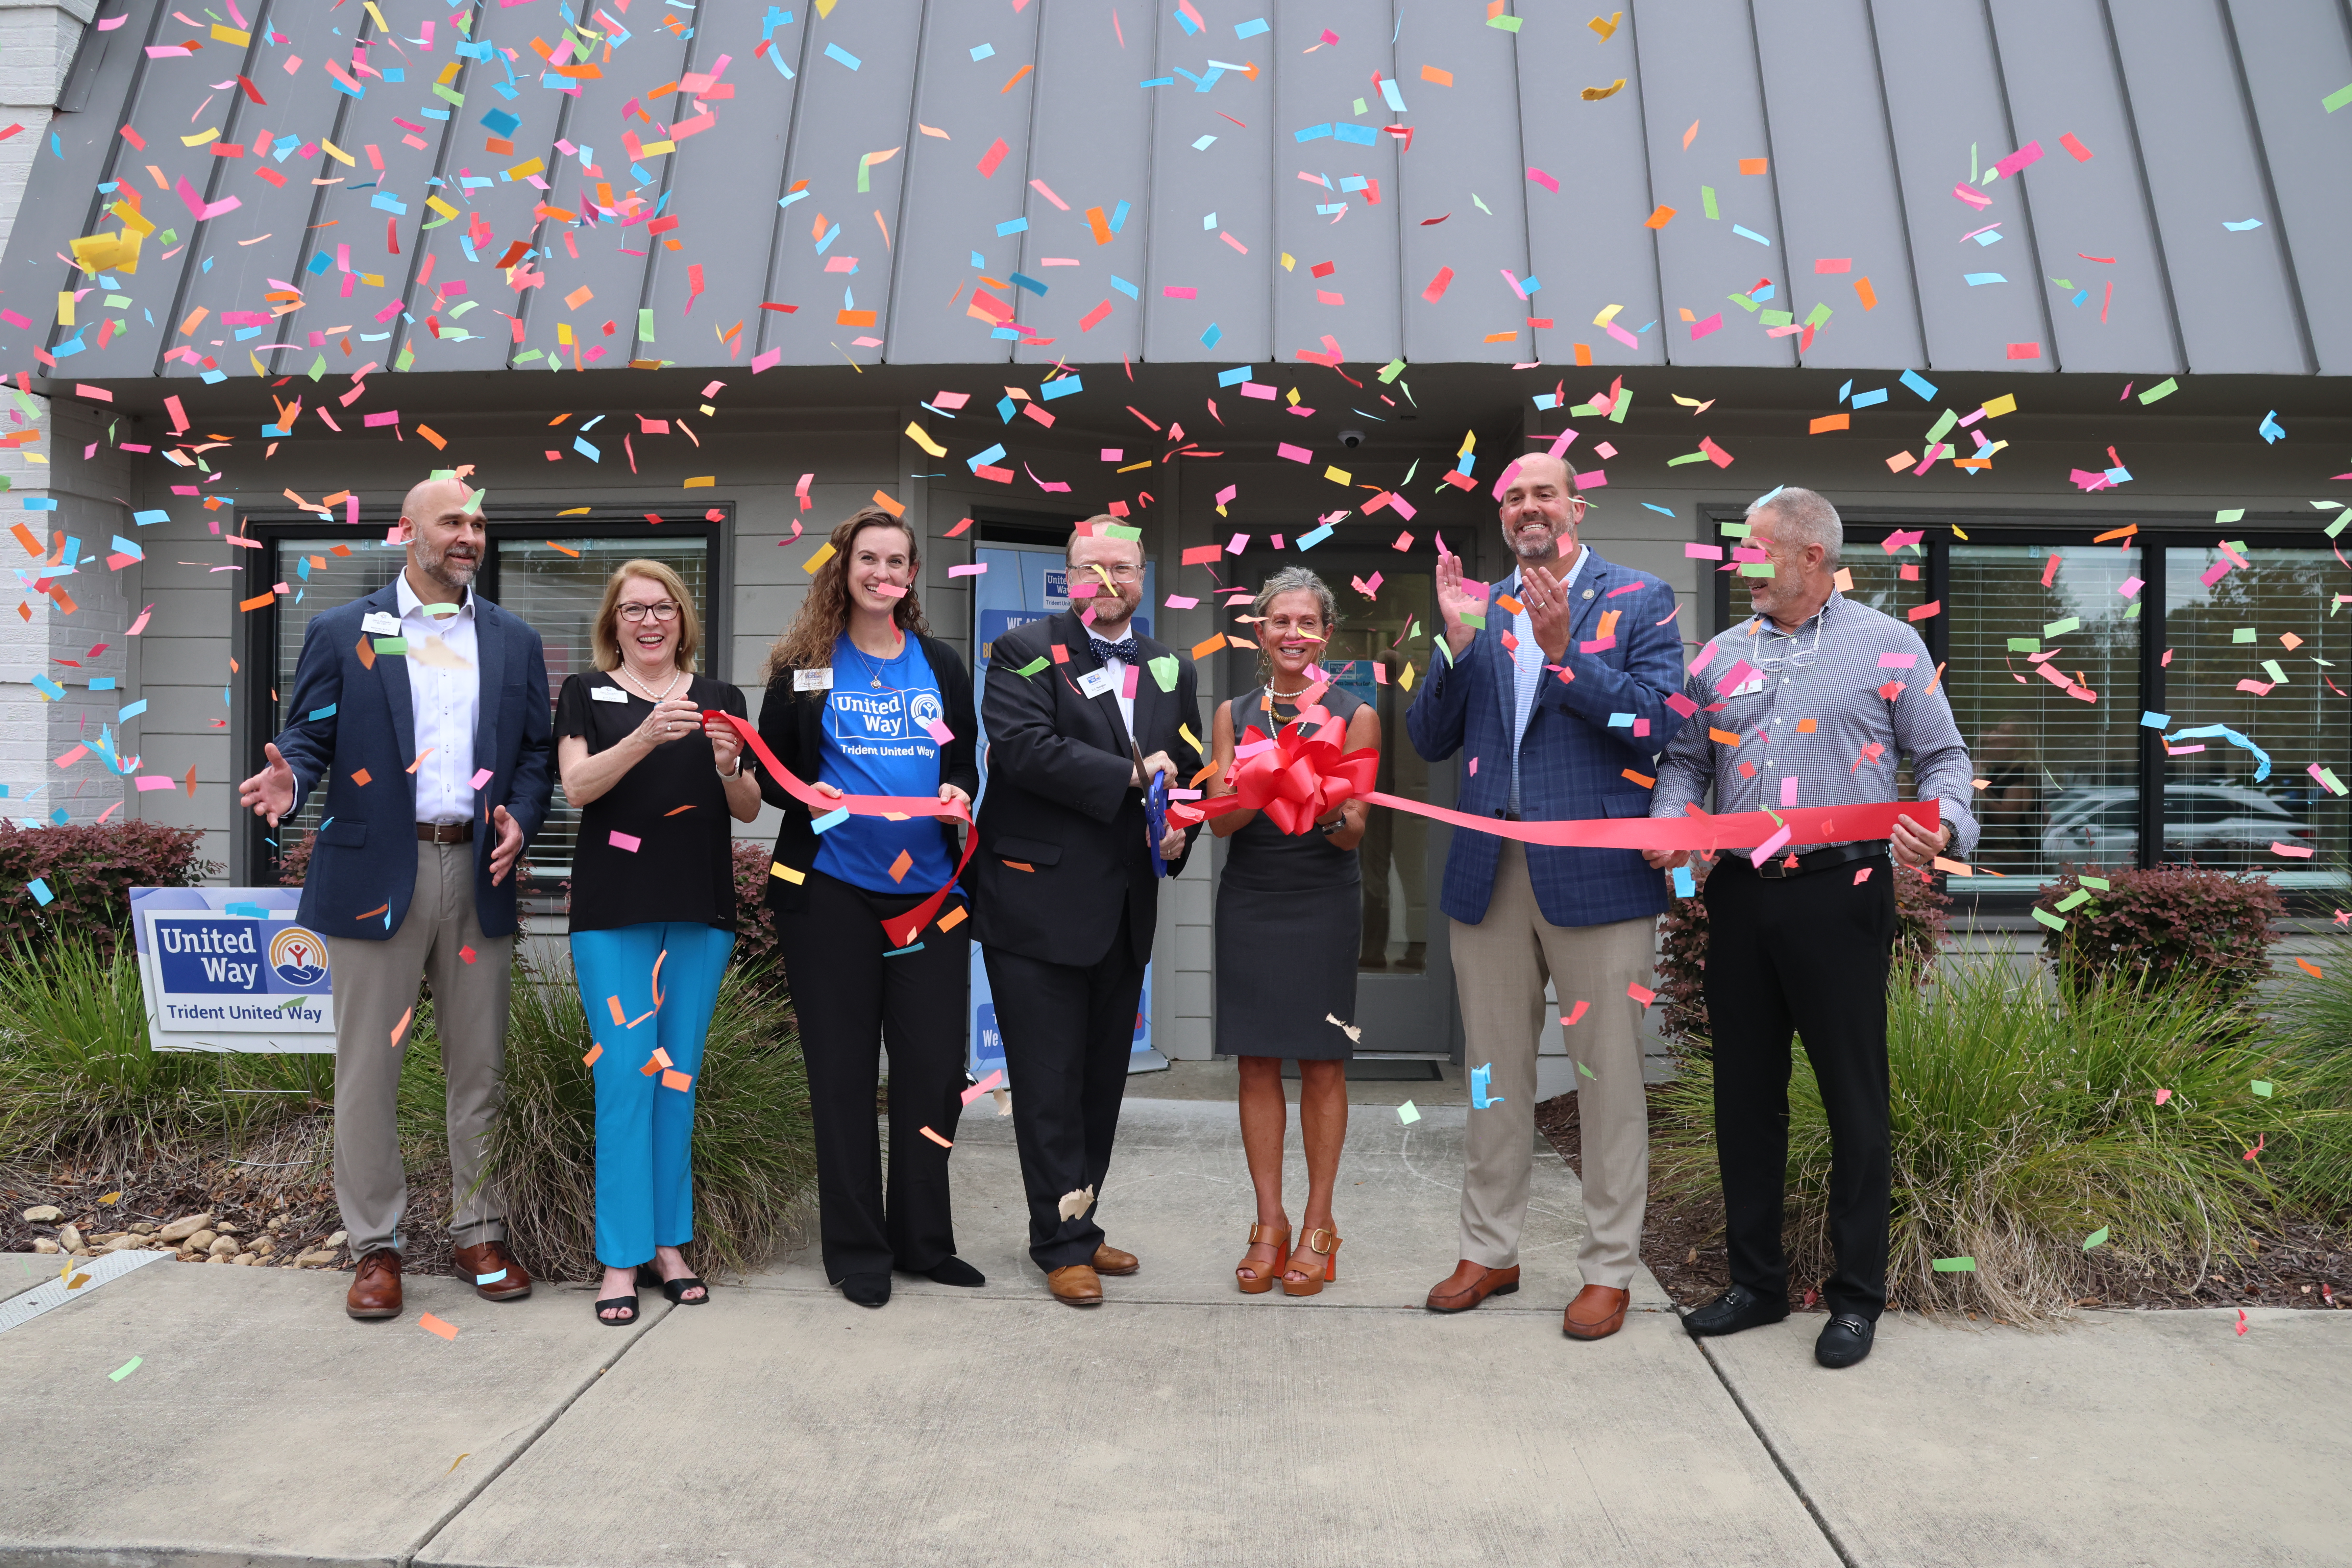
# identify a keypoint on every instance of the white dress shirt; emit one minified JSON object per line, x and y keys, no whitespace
{"x":445,"y":684}
{"x":1528,"y":663}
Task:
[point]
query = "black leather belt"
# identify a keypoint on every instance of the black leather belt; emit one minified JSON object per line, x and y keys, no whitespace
{"x":444,"y":832}
{"x":1506,"y":815}
{"x":1778,"y":868}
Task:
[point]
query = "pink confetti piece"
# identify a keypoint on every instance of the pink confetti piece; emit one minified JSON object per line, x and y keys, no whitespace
{"x":625,"y":841}
{"x":481,"y":777}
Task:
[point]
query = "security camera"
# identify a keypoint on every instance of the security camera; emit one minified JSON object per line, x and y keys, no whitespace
{"x":1351,"y":437}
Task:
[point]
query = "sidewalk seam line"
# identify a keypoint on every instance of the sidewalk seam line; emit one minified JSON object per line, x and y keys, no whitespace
{"x":407,"y":1558}
{"x":1820,"y":1521}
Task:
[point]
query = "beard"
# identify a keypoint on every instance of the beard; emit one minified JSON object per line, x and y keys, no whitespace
{"x":444,"y":567}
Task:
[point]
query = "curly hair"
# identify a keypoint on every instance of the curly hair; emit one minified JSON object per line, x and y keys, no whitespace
{"x":808,"y":642}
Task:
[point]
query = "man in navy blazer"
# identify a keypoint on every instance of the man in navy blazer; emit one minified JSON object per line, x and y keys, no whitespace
{"x":422,"y":710}
{"x":1555,"y":682}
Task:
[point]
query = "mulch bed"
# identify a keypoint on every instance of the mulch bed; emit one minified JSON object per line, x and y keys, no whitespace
{"x":2296,"y":1265}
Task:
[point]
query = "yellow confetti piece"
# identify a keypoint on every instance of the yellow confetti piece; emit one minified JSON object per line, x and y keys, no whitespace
{"x":819,"y":559}
{"x":1595,"y":94}
{"x":920,"y":437}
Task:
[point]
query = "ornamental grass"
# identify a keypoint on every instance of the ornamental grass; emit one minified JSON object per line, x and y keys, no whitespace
{"x":2028,"y":1130}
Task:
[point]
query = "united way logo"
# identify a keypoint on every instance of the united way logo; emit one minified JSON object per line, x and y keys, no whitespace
{"x":924,"y":710}
{"x":868,"y":715}
{"x":298,"y":957}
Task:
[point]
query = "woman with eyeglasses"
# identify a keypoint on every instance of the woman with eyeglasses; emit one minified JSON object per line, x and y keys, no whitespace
{"x":862,"y":701}
{"x":652,"y":912}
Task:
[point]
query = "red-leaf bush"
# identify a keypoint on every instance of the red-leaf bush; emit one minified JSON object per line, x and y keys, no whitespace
{"x":2163,"y":927}
{"x":1922,"y":917}
{"x":90,"y":869}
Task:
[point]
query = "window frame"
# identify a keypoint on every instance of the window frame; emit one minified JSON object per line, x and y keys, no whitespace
{"x":2158,"y":532}
{"x":254,"y":640}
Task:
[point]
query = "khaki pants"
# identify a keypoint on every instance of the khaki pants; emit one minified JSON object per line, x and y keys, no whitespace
{"x":1499,"y":968}
{"x":375,"y":982}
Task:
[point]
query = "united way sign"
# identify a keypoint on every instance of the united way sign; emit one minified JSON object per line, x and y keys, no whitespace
{"x":230,"y":969}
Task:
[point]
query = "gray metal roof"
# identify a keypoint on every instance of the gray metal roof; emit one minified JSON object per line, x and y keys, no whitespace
{"x":1192,"y":220}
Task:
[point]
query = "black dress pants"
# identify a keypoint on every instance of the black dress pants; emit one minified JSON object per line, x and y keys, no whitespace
{"x":850,"y":1000}
{"x":1068,"y":1032}
{"x":1809,"y":955}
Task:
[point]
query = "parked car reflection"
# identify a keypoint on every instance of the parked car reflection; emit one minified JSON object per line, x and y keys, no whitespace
{"x":2219,"y":826}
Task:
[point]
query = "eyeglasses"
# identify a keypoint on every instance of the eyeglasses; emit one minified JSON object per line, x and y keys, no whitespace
{"x":663,"y":612}
{"x":1123,"y":574}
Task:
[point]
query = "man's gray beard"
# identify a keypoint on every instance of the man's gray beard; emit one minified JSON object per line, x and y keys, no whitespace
{"x":438,"y":568}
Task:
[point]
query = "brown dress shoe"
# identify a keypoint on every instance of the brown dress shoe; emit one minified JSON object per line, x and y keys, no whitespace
{"x":1110,"y":1259}
{"x":1469,"y":1284}
{"x":375,"y":1287}
{"x":1596,"y":1312}
{"x":495,"y":1275}
{"x":1077,"y":1286}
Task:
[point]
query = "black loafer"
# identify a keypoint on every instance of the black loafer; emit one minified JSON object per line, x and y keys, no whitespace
{"x":867,"y":1290}
{"x":1737,"y":1308}
{"x":1845,"y":1342}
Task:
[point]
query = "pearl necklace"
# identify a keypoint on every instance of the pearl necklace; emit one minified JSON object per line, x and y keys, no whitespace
{"x":622,"y":670}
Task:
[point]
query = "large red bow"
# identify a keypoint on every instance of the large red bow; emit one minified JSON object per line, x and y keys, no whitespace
{"x":1296,"y":777}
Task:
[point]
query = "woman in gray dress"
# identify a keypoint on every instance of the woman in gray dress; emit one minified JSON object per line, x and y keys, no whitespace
{"x":1288,"y":910}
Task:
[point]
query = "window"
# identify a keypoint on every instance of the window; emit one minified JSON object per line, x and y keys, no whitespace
{"x":553,"y":580}
{"x":2055,"y":645}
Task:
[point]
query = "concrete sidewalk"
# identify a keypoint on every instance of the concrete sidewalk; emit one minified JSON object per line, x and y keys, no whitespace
{"x":1180,"y":1424}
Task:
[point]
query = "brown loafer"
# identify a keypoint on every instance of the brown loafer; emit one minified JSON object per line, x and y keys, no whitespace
{"x":1110,"y":1259}
{"x":1596,"y":1312}
{"x":495,"y":1275}
{"x":1075,"y":1286}
{"x":1469,"y":1284}
{"x":375,"y":1287}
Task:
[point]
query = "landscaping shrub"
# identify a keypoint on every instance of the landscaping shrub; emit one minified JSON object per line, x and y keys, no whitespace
{"x":2025,"y":1121}
{"x":2312,"y":1015}
{"x":90,"y":869}
{"x":2164,"y":927}
{"x":753,"y":1151}
{"x":1922,"y":915}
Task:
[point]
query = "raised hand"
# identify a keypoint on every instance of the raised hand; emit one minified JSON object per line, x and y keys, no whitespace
{"x":1547,"y":611}
{"x":1454,"y":602}
{"x":671,"y":718}
{"x":270,"y":792}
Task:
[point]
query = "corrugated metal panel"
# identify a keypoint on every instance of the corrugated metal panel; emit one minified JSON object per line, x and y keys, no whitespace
{"x":845,"y":113}
{"x":1590,"y":248}
{"x":1702,"y":69}
{"x":2060,"y":67}
{"x":1213,"y":209}
{"x":979,"y":103}
{"x":2232,"y":293}
{"x":1094,"y":149}
{"x":1944,"y":98}
{"x":1833,"y":170}
{"x":2297,"y":52}
{"x":723,"y":187}
{"x":1865,"y":110}
{"x":1465,"y":149}
{"x":1355,"y":304}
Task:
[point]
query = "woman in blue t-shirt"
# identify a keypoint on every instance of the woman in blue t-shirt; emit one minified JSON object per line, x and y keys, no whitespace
{"x":862,"y":701}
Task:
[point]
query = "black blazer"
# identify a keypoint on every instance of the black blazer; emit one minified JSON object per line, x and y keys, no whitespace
{"x":791,"y":723}
{"x":1059,"y":802}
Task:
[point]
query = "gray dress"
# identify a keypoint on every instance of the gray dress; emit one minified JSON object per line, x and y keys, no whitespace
{"x":1288,"y":918}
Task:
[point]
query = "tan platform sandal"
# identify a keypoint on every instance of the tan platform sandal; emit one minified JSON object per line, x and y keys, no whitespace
{"x":1324,"y":1246}
{"x":1261,"y":1281}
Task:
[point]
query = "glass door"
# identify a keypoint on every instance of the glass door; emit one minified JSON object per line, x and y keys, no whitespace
{"x":1404,"y":984}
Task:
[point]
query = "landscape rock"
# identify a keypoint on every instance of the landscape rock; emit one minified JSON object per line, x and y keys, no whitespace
{"x":246,"y":1259}
{"x":43,"y":1244}
{"x":337,"y":1239}
{"x":224,"y":1228}
{"x":264,"y":1245}
{"x":145,"y":1227}
{"x":70,"y":1237}
{"x":123,"y":1243}
{"x":182,"y":1229}
{"x":317,"y":1257}
{"x":201,"y":1241}
{"x":223,"y":1246}
{"x":42,"y":1214}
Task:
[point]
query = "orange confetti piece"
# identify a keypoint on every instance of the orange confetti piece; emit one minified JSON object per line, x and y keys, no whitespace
{"x":902,"y":866}
{"x":1660,"y":218}
{"x":1441,"y":77}
{"x":952,"y":919}
{"x":590,"y":1059}
{"x":1753,"y":165}
{"x":937,"y":1139}
{"x":402,"y":1027}
{"x":2309,"y":968}
{"x":433,"y":1325}
{"x":677,"y":1080}
{"x":1868,"y":296}
{"x":618,"y":1016}
{"x":1831,"y":422}
{"x":360,"y":778}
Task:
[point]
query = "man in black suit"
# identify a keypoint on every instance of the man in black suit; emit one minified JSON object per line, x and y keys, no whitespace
{"x":1079,"y":714}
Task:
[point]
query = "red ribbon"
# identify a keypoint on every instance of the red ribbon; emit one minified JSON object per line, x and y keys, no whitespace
{"x":901,"y":929}
{"x":1300,"y":777}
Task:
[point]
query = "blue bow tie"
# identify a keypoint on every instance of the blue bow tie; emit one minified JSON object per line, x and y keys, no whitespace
{"x":1122,"y":649}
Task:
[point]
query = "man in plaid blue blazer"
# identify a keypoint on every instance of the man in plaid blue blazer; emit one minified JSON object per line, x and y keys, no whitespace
{"x":1557,"y":692}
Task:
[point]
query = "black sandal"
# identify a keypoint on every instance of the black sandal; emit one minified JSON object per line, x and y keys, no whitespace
{"x":629,"y":1300}
{"x":674,"y":1290}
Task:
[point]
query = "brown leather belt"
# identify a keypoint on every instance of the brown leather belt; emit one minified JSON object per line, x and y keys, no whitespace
{"x":445,"y":833}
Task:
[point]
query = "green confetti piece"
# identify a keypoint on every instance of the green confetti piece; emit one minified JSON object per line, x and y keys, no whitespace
{"x":1942,"y":426}
{"x":1756,"y":568}
{"x":439,"y":609}
{"x":2101,"y":883}
{"x":1408,"y":1114}
{"x":2059,"y":628}
{"x":1508,"y":24}
{"x":1587,"y":1071}
{"x":2046,"y":918}
{"x":386,"y":646}
{"x":2026,"y":645}
{"x":1033,"y":666}
{"x":2336,"y":99}
{"x":1735,"y":530}
{"x":2096,"y":1239}
{"x":645,"y":326}
{"x":2161,"y":390}
{"x":1955,"y":1265}
{"x":2074,"y":899}
{"x":1164,"y":670}
{"x":2262,"y":1087}
{"x":1478,"y":621}
{"x":1617,"y":410}
{"x":1706,"y":200}
{"x":1121,"y":531}
{"x":126,"y":1369}
{"x":2241,"y":634}
{"x":1482,"y":205}
{"x":1390,"y":371}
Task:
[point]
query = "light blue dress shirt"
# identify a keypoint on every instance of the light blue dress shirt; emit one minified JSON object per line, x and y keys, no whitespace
{"x":1527,"y":667}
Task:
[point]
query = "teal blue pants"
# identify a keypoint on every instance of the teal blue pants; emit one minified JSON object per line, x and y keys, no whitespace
{"x":645,"y":1125}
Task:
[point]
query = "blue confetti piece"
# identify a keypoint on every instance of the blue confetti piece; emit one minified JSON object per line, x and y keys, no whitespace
{"x":1685,"y":885}
{"x":1209,"y":339}
{"x":979,"y":460}
{"x":124,"y":715}
{"x":1480,"y":1077}
{"x":1920,"y":384}
{"x":1870,"y":399}
{"x":1977,"y":279}
{"x":1062,"y":387}
{"x":48,"y":687}
{"x":830,"y":819}
{"x":983,"y":51}
{"x":388,"y":202}
{"x":1186,"y":23}
{"x":1662,"y":510}
{"x":1845,"y":392}
{"x":1005,"y":408}
{"x":1124,"y":287}
{"x":580,"y":445}
{"x":1159,"y":81}
{"x":318,"y":713}
{"x":2223,"y":732}
{"x":1360,"y":135}
{"x":1312,"y":133}
{"x":1012,"y":226}
{"x":1749,"y":234}
{"x":2269,"y":429}
{"x":1314,"y":536}
{"x":41,"y":503}
{"x":2154,"y":720}
{"x":835,"y":52}
{"x":245,"y":912}
{"x":1249,"y":29}
{"x":2242,"y":227}
{"x":900,"y":952}
{"x":1022,"y":280}
{"x":1989,"y":237}
{"x":978,"y":259}
{"x":1118,"y":218}
{"x":1234,"y":376}
{"x":1620,"y":720}
{"x":39,"y":888}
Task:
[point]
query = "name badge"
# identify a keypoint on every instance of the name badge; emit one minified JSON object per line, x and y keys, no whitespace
{"x":608,"y":694}
{"x":1095,"y":683}
{"x":378,"y":622}
{"x":812,"y":679}
{"x":1750,"y":688}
